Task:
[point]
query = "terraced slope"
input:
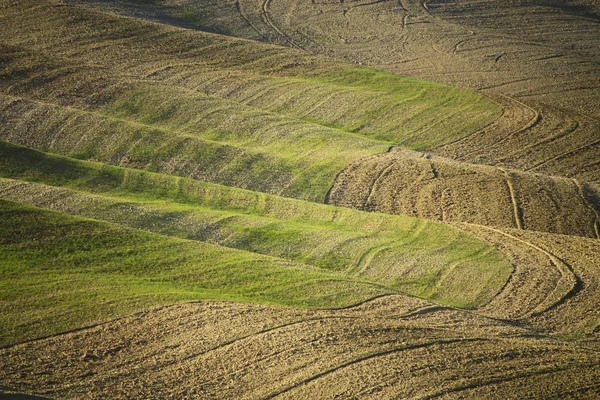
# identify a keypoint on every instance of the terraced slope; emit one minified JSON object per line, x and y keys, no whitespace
{"x":61,"y":272}
{"x":541,"y":130}
{"x":393,"y":346}
{"x":542,"y":55}
{"x":206,"y":106}
{"x":402,"y":254}
{"x":538,"y":338}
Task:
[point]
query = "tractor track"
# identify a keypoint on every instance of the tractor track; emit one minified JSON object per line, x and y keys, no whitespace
{"x":588,"y":204}
{"x":568,"y":276}
{"x":267,"y":19}
{"x":367,"y":358}
{"x":517,"y":211}
{"x":372,"y":190}
{"x":501,"y":144}
{"x":500,"y":380}
{"x":367,"y":257}
{"x":563,"y":155}
{"x":247,"y":20}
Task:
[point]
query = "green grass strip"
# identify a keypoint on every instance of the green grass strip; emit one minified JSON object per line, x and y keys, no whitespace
{"x":59,"y":272}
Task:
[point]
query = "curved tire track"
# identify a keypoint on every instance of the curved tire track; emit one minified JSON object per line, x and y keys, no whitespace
{"x":366,"y":358}
{"x":517,"y":211}
{"x":568,"y":286}
{"x":267,"y":18}
{"x":588,"y":204}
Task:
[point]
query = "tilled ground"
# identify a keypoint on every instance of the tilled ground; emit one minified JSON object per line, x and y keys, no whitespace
{"x":538,"y":61}
{"x":224,"y":350}
{"x":539,"y":336}
{"x":390,"y":347}
{"x":540,"y":56}
{"x":571,"y":305}
{"x":413,"y":183}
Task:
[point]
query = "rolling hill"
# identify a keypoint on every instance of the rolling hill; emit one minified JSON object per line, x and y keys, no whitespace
{"x":299,"y":199}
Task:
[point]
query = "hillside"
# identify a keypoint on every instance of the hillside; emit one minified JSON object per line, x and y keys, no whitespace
{"x":268,"y":199}
{"x":209,"y":107}
{"x":547,"y":134}
{"x":437,"y":188}
{"x":537,"y":59}
{"x":378,"y":253}
{"x":393,"y":347}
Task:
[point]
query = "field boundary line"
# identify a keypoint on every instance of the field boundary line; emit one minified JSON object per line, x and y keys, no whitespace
{"x":535,"y":120}
{"x":97,"y":324}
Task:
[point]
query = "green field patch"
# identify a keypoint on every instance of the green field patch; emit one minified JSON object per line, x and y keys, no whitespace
{"x":382,"y":248}
{"x":63,"y":272}
{"x":417,"y":114}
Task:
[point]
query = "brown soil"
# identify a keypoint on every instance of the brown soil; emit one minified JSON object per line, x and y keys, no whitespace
{"x":413,"y":183}
{"x":391,"y":347}
{"x":537,"y":338}
{"x":535,"y":59}
{"x":521,"y":183}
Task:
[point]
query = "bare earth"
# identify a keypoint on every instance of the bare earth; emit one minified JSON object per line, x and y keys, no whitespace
{"x":391,"y":347}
